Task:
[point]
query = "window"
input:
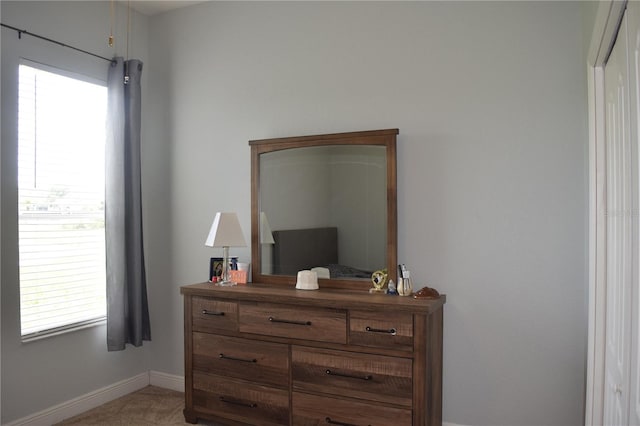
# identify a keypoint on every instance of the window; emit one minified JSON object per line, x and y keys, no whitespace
{"x":60,"y":200}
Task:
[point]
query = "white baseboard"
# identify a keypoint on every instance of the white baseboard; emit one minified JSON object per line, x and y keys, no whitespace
{"x":167,"y":381}
{"x":101,"y":396}
{"x":83,"y":403}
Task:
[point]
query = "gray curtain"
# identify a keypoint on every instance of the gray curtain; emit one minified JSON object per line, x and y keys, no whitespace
{"x":127,"y":306}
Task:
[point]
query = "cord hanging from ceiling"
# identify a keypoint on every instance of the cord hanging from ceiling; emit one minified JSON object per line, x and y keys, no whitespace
{"x":126,"y":62}
{"x":111,"y":13}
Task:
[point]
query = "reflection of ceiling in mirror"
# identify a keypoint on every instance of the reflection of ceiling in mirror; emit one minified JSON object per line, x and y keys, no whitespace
{"x":341,"y":186}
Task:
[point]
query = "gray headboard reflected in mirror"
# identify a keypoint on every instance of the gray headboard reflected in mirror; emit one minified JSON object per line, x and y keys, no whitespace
{"x":325,"y":201}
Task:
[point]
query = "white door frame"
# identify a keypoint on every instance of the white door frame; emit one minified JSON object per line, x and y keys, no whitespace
{"x":605,"y":29}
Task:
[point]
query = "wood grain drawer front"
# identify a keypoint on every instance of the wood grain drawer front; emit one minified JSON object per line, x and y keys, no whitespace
{"x":363,"y":376}
{"x":325,"y":325}
{"x":260,"y":362}
{"x":319,"y":410}
{"x":211,"y":314}
{"x":239,"y":400}
{"x":381,"y":329}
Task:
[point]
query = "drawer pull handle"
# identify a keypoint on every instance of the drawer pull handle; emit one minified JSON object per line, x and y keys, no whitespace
{"x":272,"y":319}
{"x":218,"y":314}
{"x":236,"y":402}
{"x":333,"y":422}
{"x":230,"y":358}
{"x":391,"y":331}
{"x":349,"y":376}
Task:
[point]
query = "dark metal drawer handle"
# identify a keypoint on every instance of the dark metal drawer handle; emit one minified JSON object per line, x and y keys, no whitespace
{"x":350,"y":376}
{"x":391,"y":331}
{"x":333,"y":422}
{"x":218,"y":314}
{"x":230,"y":358}
{"x":272,"y":319}
{"x":236,"y":402}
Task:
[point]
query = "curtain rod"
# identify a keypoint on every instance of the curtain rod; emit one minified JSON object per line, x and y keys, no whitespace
{"x":20,"y":32}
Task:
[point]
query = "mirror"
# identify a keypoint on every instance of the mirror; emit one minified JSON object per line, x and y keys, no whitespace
{"x":324,"y":201}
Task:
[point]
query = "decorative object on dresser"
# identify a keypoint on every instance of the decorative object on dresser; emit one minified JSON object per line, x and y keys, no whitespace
{"x":215,"y":267}
{"x":426,"y":293}
{"x":225,"y":232}
{"x":237,"y":276}
{"x":307,"y":280}
{"x":405,"y":286}
{"x":379,"y":279}
{"x":268,"y":354}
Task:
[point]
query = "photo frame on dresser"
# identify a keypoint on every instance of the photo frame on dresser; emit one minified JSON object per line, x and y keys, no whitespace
{"x":215,"y":266}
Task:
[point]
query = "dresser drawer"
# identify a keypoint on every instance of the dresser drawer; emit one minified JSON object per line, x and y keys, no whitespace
{"x":262,"y":362}
{"x":211,"y":315}
{"x":381,"y":329}
{"x":320,"y":410}
{"x":325,"y":325}
{"x":356,"y":375}
{"x":240,"y":401}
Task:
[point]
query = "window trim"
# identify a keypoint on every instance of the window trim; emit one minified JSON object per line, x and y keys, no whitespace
{"x":57,"y":331}
{"x":61,"y":71}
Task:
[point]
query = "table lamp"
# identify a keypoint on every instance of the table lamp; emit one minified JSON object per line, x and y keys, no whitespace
{"x":225,"y":232}
{"x":266,"y":239}
{"x":266,"y":236}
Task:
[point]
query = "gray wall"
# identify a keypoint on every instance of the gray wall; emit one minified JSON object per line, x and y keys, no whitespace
{"x":41,"y":374}
{"x":490,"y":100}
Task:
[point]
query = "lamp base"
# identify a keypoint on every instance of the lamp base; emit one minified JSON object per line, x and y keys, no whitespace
{"x":224,"y":279}
{"x":226,"y":283}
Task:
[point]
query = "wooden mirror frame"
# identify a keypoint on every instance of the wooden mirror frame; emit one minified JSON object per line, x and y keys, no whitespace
{"x":386,"y":138}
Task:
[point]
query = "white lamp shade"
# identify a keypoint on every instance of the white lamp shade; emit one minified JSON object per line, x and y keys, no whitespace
{"x":225,"y":231}
{"x":266,"y":236}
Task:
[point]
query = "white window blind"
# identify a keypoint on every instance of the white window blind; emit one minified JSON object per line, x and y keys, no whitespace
{"x":61,"y":201}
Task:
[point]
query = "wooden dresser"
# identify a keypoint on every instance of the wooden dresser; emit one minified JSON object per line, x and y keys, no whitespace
{"x":261,"y":355}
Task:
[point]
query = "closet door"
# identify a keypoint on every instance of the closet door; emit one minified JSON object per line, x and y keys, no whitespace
{"x":633,"y":31}
{"x":619,"y":224}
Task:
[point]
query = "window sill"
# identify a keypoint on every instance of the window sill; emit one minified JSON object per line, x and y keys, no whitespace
{"x":63,"y":330}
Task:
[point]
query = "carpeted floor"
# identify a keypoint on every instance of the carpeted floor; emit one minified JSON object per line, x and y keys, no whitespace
{"x":146,"y":407}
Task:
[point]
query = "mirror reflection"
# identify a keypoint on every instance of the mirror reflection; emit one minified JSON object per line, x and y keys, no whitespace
{"x":324,"y":207}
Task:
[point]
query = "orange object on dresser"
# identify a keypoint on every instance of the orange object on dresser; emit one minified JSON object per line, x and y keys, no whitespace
{"x":239,"y":277}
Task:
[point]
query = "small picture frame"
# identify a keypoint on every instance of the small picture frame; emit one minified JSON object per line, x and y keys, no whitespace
{"x":215,"y":266}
